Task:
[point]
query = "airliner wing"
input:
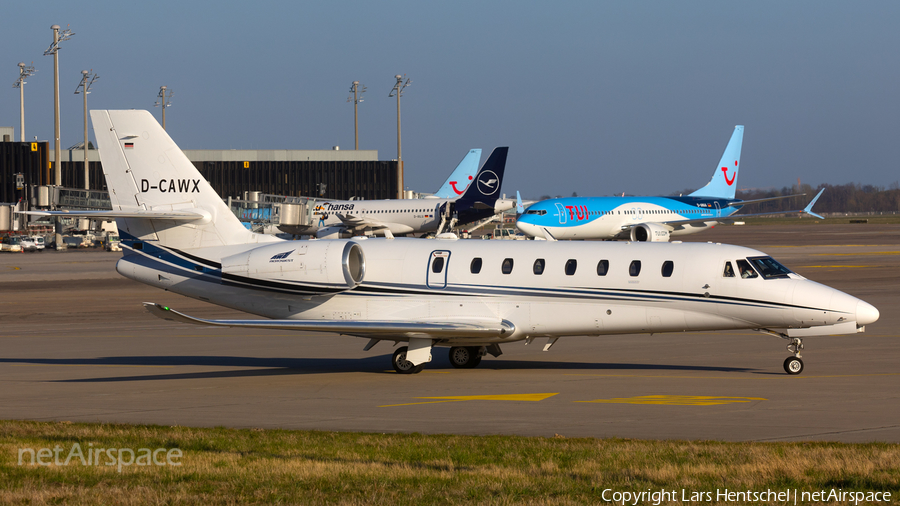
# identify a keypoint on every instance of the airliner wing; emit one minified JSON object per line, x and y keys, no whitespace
{"x":184,"y":215}
{"x":359,"y":221}
{"x":378,"y":329}
{"x":733,"y":217}
{"x":739,"y":203}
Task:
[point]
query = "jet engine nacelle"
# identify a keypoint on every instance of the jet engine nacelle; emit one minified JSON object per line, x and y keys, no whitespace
{"x":307,"y":266}
{"x":649,"y":232}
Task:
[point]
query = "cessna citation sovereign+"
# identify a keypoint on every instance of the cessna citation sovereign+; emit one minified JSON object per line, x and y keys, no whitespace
{"x":471,"y":296}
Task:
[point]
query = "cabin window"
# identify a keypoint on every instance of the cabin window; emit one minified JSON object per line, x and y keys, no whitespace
{"x":539,"y":266}
{"x":437,"y":265}
{"x":667,"y":268}
{"x":571,"y":265}
{"x":746,"y":271}
{"x":635,"y":268}
{"x":729,"y":271}
{"x":769,"y":268}
{"x":475,"y":266}
{"x":507,"y":266}
{"x":602,"y":267}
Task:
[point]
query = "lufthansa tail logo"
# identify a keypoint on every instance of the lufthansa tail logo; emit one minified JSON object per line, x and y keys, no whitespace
{"x":488,"y":183}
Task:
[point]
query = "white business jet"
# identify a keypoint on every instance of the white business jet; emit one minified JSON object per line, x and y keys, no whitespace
{"x":471,"y":296}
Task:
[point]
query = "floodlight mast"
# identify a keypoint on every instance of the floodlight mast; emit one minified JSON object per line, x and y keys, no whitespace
{"x":164,"y":95}
{"x":54,"y":50}
{"x":398,"y":91}
{"x":356,"y":98}
{"x":24,"y":73}
{"x":86,"y":81}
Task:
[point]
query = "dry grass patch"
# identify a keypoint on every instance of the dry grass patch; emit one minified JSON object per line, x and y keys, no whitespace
{"x":229,"y":466}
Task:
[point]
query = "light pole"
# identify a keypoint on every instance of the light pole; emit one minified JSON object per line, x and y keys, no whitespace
{"x":24,"y":73}
{"x":398,"y":92}
{"x":54,"y":50}
{"x":86,"y":81}
{"x":164,"y":95}
{"x":356,"y":98}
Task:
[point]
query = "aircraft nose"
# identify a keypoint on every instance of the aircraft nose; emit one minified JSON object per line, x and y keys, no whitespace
{"x":866,"y":313}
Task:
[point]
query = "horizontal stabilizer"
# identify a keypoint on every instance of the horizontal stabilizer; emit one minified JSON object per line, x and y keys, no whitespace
{"x":434,"y":329}
{"x":110,"y":215}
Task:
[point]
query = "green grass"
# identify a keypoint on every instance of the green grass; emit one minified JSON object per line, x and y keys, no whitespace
{"x":250,"y":466}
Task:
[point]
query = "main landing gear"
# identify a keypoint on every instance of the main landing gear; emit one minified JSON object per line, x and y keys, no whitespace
{"x":466,"y":357}
{"x":402,"y":365}
{"x":793,"y":365}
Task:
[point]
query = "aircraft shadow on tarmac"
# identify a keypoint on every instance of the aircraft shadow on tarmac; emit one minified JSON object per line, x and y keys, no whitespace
{"x":255,"y":366}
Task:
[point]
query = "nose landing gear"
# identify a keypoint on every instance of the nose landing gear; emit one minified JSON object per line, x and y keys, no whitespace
{"x":793,"y":365}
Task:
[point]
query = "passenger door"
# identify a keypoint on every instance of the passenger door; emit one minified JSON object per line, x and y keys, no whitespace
{"x":438,"y":264}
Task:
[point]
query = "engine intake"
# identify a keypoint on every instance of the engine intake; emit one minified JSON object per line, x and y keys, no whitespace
{"x":649,"y":232}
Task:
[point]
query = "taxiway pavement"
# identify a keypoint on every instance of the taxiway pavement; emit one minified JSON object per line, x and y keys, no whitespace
{"x":75,"y":344}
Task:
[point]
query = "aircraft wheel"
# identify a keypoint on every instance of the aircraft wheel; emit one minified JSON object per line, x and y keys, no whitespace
{"x":403,"y":366}
{"x":464,"y":357}
{"x":793,"y":365}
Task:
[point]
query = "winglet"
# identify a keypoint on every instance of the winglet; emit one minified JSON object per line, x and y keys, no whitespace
{"x":808,"y":209}
{"x":519,"y":207}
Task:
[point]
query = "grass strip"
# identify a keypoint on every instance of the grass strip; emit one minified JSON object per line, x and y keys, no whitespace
{"x":254,"y":466}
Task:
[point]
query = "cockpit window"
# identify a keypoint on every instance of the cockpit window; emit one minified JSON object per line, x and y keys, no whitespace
{"x":729,"y":271}
{"x":769,"y":268}
{"x":539,"y":212}
{"x":746,"y":271}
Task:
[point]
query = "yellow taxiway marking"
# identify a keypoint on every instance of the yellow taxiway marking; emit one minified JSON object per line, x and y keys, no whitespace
{"x":88,"y":365}
{"x":15,"y":268}
{"x":741,"y":377}
{"x":834,"y":266}
{"x":832,"y":246}
{"x":460,"y":398}
{"x":678,"y":400}
{"x":856,"y":254}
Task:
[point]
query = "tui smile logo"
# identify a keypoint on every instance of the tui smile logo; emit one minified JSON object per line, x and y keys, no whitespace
{"x":730,"y":182}
{"x":457,"y":190}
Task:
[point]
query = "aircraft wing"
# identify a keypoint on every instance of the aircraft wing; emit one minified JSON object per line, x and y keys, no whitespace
{"x":756,"y":201}
{"x":185,"y":215}
{"x":733,"y":217}
{"x":377,"y":329}
{"x":359,"y":222}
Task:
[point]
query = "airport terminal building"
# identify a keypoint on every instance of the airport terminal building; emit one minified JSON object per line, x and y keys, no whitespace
{"x":25,"y":167}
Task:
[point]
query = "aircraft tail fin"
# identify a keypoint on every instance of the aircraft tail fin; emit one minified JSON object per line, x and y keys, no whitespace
{"x":724,"y":179}
{"x":461,"y":177}
{"x":148,"y":175}
{"x":485,"y":190}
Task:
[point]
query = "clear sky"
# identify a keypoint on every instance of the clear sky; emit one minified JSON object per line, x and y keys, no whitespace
{"x":591,"y":97}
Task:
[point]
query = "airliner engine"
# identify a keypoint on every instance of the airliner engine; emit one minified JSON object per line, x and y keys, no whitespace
{"x":310,"y":266}
{"x":649,"y":232}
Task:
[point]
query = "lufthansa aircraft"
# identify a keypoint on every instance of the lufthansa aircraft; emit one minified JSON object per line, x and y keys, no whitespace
{"x":646,"y":218}
{"x":468,"y":295}
{"x":473,"y":201}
